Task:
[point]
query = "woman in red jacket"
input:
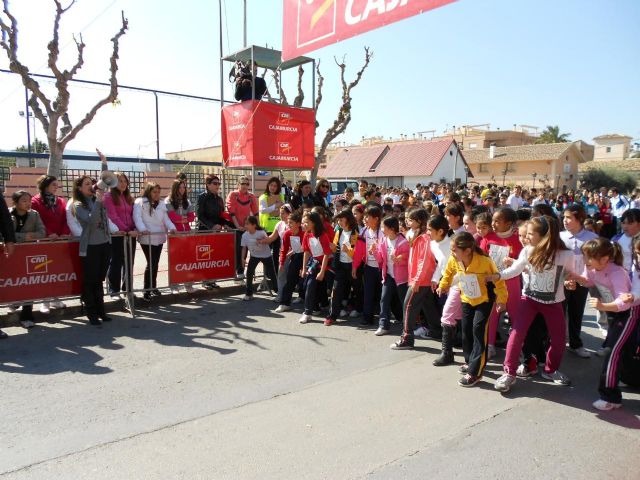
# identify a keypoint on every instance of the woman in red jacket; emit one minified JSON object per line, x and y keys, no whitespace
{"x":52,"y":210}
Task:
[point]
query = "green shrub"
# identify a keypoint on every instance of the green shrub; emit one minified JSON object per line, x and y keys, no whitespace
{"x":609,"y":177}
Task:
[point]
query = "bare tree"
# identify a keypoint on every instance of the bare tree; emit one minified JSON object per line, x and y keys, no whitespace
{"x":54,"y":115}
{"x":344,"y":113}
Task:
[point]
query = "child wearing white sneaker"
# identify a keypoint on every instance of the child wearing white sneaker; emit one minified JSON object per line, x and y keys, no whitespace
{"x":545,"y":263}
{"x":604,"y":270}
{"x":260,"y":253}
{"x":315,"y":263}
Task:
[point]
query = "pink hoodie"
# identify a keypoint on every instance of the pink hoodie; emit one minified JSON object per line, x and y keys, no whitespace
{"x":400,"y":270}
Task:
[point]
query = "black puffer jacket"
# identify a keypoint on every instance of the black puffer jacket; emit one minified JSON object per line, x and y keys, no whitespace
{"x":209,"y":210}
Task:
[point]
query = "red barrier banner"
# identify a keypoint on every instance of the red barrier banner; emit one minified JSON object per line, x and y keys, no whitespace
{"x":37,"y":271}
{"x":200,"y":257}
{"x":269,"y":136}
{"x":312,"y":24}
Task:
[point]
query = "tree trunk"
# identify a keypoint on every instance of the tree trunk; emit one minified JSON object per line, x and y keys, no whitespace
{"x":55,"y":160}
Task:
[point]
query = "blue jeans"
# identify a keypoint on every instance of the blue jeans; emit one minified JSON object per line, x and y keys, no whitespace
{"x":391,"y":301}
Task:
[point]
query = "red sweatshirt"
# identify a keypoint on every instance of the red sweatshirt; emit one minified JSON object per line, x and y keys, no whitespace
{"x":422,"y":262}
{"x":286,"y":244}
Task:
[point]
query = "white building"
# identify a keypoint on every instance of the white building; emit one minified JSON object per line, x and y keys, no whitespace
{"x":400,"y":165}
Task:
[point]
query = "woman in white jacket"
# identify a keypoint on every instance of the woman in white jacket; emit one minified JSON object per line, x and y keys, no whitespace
{"x":153,"y":223}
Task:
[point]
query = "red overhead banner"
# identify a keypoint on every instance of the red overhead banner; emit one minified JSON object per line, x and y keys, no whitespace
{"x":312,"y":24}
{"x":37,"y":271}
{"x":200,"y":257}
{"x":268,"y":135}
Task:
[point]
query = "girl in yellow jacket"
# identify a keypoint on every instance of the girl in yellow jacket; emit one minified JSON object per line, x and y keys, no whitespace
{"x":471,"y":264}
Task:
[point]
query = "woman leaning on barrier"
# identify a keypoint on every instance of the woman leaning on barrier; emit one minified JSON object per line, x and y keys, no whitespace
{"x":27,"y":226}
{"x":51,"y":208}
{"x":210,"y":212}
{"x":181,"y":214}
{"x":152,"y":223}
{"x":119,"y":204}
{"x":95,"y":246}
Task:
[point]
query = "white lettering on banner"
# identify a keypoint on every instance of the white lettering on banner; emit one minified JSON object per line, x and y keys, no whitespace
{"x":188,"y":267}
{"x":237,"y":127}
{"x":283,"y":158}
{"x":238,"y":157}
{"x":37,"y":280}
{"x":381,"y":6}
{"x":285,"y":129}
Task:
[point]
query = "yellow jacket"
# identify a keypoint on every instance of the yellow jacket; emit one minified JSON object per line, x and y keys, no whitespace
{"x":473,"y":289}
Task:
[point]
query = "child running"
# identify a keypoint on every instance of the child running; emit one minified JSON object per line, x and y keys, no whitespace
{"x":604,"y":270}
{"x":545,"y":263}
{"x":472,"y":266}
{"x":620,"y":332}
{"x":422,"y":264}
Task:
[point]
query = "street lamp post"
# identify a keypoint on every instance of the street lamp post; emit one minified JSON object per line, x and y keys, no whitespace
{"x":26,"y":116}
{"x":534,"y":175}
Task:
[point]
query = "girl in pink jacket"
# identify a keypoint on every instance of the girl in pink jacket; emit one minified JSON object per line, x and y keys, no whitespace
{"x":421,"y":266}
{"x":393,"y":258}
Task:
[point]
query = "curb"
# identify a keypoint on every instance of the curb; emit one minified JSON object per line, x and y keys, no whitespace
{"x":73,"y":311}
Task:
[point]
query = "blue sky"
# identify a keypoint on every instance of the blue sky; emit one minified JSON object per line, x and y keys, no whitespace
{"x":571,"y":63}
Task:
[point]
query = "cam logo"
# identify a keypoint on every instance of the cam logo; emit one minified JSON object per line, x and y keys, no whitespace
{"x":37,"y":264}
{"x":203,"y":252}
{"x":316,"y":20}
{"x":235,"y":116}
{"x":284,"y":148}
{"x":283,"y":118}
{"x":236,"y":145}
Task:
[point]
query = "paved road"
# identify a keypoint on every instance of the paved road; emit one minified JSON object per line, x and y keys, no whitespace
{"x":219,"y":388}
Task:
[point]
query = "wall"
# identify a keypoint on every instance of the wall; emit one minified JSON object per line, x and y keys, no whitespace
{"x":619,"y":149}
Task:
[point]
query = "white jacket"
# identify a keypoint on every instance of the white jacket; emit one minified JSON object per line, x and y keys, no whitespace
{"x":74,"y":224}
{"x":151,"y":220}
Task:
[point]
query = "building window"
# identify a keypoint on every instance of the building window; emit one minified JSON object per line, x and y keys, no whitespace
{"x":608,"y":149}
{"x":484,"y":168}
{"x":473,"y":145}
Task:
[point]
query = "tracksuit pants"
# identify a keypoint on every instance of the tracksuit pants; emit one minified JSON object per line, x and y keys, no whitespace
{"x":621,"y":327}
{"x":391,"y":301}
{"x":553,"y":314}
{"x":475,"y":333}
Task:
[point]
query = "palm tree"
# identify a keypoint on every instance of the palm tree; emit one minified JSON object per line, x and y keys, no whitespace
{"x":552,"y":134}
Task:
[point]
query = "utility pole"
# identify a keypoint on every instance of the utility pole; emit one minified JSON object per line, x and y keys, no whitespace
{"x":244,"y":38}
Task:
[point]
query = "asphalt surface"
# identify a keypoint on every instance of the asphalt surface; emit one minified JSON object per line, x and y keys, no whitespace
{"x":217,"y":388}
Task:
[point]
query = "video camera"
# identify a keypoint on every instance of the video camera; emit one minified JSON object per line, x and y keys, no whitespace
{"x":240,"y":70}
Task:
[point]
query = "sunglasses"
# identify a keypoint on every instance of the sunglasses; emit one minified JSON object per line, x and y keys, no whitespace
{"x":214,"y":183}
{"x":245,"y":184}
{"x":324,"y":186}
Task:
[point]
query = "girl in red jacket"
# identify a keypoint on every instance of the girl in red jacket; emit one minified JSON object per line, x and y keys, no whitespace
{"x":53,"y":213}
{"x":422,"y":265}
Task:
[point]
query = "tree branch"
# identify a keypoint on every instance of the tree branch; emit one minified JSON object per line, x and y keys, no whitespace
{"x":298,"y":101}
{"x":10,"y":34}
{"x":320,"y":85}
{"x":113,"y":91}
{"x":283,"y":96}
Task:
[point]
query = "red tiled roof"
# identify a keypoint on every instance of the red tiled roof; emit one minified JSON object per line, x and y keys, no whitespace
{"x":401,"y":160}
{"x":413,"y":159}
{"x":352,"y":163}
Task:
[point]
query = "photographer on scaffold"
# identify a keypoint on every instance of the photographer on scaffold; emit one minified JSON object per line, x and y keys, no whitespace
{"x":245,"y":78}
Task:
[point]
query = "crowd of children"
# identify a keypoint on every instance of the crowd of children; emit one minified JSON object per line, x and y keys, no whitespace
{"x":451,"y":273}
